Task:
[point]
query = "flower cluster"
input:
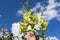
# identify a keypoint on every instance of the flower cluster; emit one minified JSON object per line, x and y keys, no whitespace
{"x":29,"y":21}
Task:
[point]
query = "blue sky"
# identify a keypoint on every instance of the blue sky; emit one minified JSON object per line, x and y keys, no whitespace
{"x":9,"y":10}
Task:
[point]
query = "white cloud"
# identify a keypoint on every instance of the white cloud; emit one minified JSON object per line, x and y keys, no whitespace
{"x":19,"y":12}
{"x":51,"y":5}
{"x":52,"y":38}
{"x":59,"y":10}
{"x":15,"y":29}
{"x":58,"y":4}
{"x":38,"y":5}
{"x":51,"y":1}
{"x":1,"y":34}
{"x":50,"y":12}
{"x":58,"y":17}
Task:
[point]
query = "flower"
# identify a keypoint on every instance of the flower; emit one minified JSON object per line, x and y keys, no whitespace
{"x":37,"y":27}
{"x":40,"y":21}
{"x":35,"y":18}
{"x":26,"y":15}
{"x":23,"y":27}
{"x":31,"y":36}
{"x":31,"y":22}
{"x":44,"y":25}
{"x":32,"y":30}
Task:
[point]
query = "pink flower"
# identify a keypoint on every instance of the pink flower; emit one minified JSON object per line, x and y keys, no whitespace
{"x":31,"y":36}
